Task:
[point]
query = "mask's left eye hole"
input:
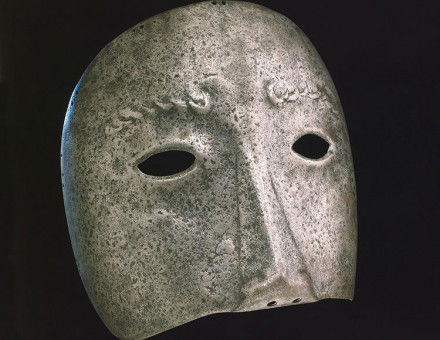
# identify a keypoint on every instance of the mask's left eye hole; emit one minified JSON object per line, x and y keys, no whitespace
{"x":311,"y":146}
{"x":167,"y":163}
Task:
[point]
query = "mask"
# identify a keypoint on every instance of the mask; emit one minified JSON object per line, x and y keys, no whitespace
{"x":255,"y":207}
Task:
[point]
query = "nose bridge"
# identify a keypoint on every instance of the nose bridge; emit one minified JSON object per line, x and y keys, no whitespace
{"x":272,"y":266}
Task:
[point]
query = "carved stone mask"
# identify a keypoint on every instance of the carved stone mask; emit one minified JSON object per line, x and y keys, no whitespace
{"x":256,"y":206}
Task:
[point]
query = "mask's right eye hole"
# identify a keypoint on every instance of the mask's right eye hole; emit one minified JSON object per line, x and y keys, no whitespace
{"x":311,"y":146}
{"x":167,"y":163}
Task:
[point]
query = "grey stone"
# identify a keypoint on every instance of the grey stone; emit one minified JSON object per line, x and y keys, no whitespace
{"x":252,"y":224}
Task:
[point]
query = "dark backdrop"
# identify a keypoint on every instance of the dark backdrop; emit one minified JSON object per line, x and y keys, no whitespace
{"x":383,"y":57}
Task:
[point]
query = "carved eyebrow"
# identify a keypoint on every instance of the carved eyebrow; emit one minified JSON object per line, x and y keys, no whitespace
{"x":124,"y":118}
{"x":207,"y":75}
{"x":279,"y":94}
{"x":128,"y":114}
{"x":197,"y":102}
{"x":201,"y":106}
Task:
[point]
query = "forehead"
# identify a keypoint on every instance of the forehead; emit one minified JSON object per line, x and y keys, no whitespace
{"x":245,"y":64}
{"x":183,"y":48}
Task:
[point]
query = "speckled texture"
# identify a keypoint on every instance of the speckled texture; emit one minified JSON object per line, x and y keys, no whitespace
{"x":252,"y":221}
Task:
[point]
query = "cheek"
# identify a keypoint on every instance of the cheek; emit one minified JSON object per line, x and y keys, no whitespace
{"x":195,"y":253}
{"x":190,"y":231}
{"x":169,"y":256}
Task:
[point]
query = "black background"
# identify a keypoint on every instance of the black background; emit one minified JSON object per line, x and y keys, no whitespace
{"x":383,"y":57}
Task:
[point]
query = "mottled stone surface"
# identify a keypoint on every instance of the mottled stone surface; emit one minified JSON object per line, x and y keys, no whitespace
{"x":252,"y":221}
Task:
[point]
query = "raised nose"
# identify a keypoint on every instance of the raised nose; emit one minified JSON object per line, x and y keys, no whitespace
{"x":274,"y":272}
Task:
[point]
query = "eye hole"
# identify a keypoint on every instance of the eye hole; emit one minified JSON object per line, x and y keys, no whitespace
{"x":167,"y":163}
{"x":311,"y":146}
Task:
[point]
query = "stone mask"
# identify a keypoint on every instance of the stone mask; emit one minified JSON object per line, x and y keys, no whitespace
{"x":206,"y":168}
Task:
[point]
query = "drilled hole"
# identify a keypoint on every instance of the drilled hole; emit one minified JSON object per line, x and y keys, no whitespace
{"x":311,"y":146}
{"x":296,"y":300}
{"x":271,"y":304}
{"x":167,"y":163}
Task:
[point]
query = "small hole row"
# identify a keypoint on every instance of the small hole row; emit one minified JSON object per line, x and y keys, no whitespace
{"x":274,"y":303}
